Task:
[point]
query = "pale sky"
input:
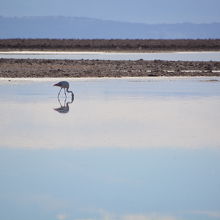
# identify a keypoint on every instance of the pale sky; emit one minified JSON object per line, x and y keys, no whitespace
{"x":144,"y":11}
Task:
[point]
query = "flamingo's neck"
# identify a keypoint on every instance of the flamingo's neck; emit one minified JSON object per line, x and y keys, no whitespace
{"x":71,"y":93}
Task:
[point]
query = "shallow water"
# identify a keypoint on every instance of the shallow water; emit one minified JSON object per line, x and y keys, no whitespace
{"x":124,"y":149}
{"x":172,"y":56}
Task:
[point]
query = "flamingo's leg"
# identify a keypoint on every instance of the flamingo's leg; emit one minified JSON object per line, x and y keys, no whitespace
{"x":59,"y":92}
{"x":59,"y":101}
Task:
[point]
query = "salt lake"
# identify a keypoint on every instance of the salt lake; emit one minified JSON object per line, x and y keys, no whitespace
{"x":123,"y":149}
{"x":172,"y":56}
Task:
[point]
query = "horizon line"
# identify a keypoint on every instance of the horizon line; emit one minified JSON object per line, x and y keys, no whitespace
{"x":108,"y":20}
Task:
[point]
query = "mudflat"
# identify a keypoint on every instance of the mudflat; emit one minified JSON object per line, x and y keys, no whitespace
{"x":12,"y":68}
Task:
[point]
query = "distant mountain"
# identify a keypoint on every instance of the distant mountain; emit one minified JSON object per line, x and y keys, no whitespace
{"x":87,"y":28}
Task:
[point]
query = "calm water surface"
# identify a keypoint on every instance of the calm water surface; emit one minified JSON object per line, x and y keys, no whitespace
{"x":124,"y":149}
{"x":174,"y":56}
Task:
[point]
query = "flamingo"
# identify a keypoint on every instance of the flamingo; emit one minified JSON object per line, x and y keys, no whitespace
{"x":64,"y":85}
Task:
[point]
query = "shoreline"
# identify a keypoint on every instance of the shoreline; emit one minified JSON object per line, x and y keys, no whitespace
{"x":44,"y":68}
{"x":100,"y":52}
{"x":45,"y":79}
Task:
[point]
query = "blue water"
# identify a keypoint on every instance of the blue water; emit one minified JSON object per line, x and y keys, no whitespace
{"x":126,"y":149}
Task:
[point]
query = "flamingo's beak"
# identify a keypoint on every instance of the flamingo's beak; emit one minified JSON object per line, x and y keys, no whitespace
{"x":55,"y":84}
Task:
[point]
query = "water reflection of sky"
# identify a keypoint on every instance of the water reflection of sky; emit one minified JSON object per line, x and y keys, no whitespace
{"x":174,"y":56}
{"x":127,"y":149}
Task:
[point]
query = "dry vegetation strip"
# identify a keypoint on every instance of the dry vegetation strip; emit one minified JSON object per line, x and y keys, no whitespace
{"x":109,"y":45}
{"x":102,"y":68}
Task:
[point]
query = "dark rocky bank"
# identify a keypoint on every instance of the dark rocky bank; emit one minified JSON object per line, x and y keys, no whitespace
{"x":101,"y":68}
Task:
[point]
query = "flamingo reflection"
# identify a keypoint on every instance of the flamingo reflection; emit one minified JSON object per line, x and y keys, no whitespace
{"x":64,"y":108}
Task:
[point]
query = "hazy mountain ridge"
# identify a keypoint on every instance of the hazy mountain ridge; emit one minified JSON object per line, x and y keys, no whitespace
{"x":89,"y":28}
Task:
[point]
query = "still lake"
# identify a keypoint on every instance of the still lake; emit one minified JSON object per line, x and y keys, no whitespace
{"x":172,"y":56}
{"x":123,"y":149}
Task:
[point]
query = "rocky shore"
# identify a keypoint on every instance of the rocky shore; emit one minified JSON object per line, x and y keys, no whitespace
{"x":116,"y":45}
{"x":12,"y":68}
